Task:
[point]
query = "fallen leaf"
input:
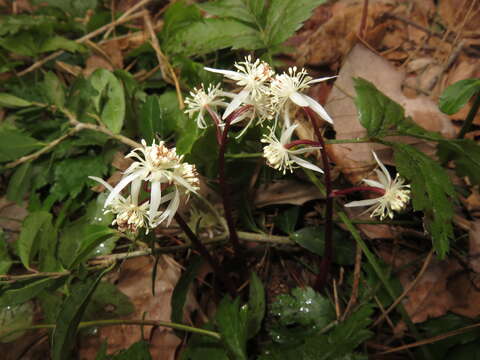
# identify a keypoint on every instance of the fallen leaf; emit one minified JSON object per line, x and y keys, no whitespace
{"x":460,"y":13}
{"x":285,"y":192}
{"x":474,"y":246}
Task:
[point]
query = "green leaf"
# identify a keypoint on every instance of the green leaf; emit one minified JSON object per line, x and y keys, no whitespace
{"x":287,"y":220}
{"x":57,"y":42}
{"x":149,"y":113}
{"x":111,"y":94}
{"x":69,"y":316}
{"x":250,"y":11}
{"x":5,"y":259}
{"x":22,"y":291}
{"x":53,"y":90}
{"x":379,"y":114}
{"x":107,"y":302}
{"x":179,"y":295}
{"x":312,"y":238}
{"x":11,"y":101}
{"x":466,"y":155}
{"x":231,"y":321}
{"x":15,"y":317}
{"x":14,"y":143}
{"x":138,"y":351}
{"x":12,"y":24}
{"x":94,"y":235}
{"x":208,"y":35}
{"x":31,"y":227}
{"x":457,"y":95}
{"x":432,"y":193}
{"x":470,"y":351}
{"x":23,"y":43}
{"x":284,"y":17}
{"x":256,"y":306}
{"x":71,"y":175}
{"x":73,"y":7}
{"x":47,"y":250}
{"x":19,"y":183}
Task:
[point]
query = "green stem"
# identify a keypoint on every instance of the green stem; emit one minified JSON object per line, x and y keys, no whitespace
{"x":471,"y":115}
{"x":111,"y":322}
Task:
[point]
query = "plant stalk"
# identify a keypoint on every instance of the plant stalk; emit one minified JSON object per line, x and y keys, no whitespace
{"x":469,"y":119}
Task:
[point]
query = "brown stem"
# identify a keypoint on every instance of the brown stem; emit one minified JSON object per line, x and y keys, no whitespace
{"x":350,"y":190}
{"x":201,"y":248}
{"x":325,"y":264}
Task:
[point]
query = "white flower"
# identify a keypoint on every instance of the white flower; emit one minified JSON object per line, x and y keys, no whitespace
{"x":287,"y":87}
{"x":200,"y":98}
{"x":395,"y":198}
{"x":163,"y":168}
{"x":283,"y":159}
{"x":129,"y":215}
{"x":251,"y":76}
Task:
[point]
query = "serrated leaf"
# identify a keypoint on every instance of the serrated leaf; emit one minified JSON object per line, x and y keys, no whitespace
{"x":5,"y":259}
{"x":69,"y":316}
{"x":231,"y":321}
{"x":57,"y":42}
{"x":31,"y":228}
{"x":71,"y":175}
{"x":432,"y":193}
{"x":250,"y":11}
{"x":14,"y":143}
{"x":284,"y":17}
{"x":23,"y":291}
{"x":457,"y":95}
{"x":181,"y":289}
{"x":73,"y":7}
{"x":19,"y":183}
{"x":93,"y":236}
{"x":466,"y":155}
{"x":11,"y":101}
{"x":22,"y":43}
{"x":379,"y":114}
{"x":256,"y":306}
{"x":111,"y":91}
{"x":208,"y":35}
{"x":53,"y":90}
{"x":312,"y":238}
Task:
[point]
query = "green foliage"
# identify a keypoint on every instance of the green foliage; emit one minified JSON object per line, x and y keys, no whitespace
{"x":107,"y":302}
{"x":20,"y":182}
{"x":298,"y":331}
{"x":13,"y":318}
{"x":5,"y":259}
{"x":465,"y":154}
{"x":31,"y":229}
{"x":15,"y":143}
{"x":110,"y":100}
{"x":432,"y":193}
{"x":312,"y":238}
{"x":256,"y":306}
{"x":71,"y":7}
{"x":69,"y":316}
{"x":380,"y":115}
{"x":287,"y":220}
{"x":11,"y":101}
{"x":138,"y":351}
{"x":457,"y":95}
{"x":231,"y":321}
{"x":240,"y":24}
{"x":22,"y":291}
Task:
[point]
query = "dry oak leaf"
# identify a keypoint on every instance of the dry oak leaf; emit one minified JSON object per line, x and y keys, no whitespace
{"x":135,"y":281}
{"x":285,"y":192}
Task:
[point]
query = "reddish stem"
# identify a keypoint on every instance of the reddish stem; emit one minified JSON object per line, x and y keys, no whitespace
{"x":350,"y":190}
{"x":224,"y":188}
{"x":325,"y":264}
{"x":302,"y":142}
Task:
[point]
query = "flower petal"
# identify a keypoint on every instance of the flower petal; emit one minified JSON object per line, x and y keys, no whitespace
{"x":235,"y":103}
{"x":314,"y":81}
{"x":373,"y":183}
{"x":287,"y":134}
{"x":384,"y":169}
{"x":315,"y":106}
{"x":135,"y":190}
{"x":155,"y":199}
{"x":101,"y":181}
{"x":306,"y":164}
{"x":362,"y":203}
{"x":227,"y":73}
{"x":299,"y":99}
{"x":120,"y":186}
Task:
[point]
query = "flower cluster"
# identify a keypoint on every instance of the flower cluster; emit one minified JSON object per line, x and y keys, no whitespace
{"x":168,"y":178}
{"x":395,"y":196}
{"x":264,"y":96}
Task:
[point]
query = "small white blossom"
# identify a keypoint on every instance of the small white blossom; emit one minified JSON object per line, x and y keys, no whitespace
{"x":395,"y":198}
{"x":130,"y":216}
{"x":283,"y":159}
{"x":165,"y":170}
{"x":200,"y":98}
{"x":287,"y":88}
{"x":251,"y":76}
